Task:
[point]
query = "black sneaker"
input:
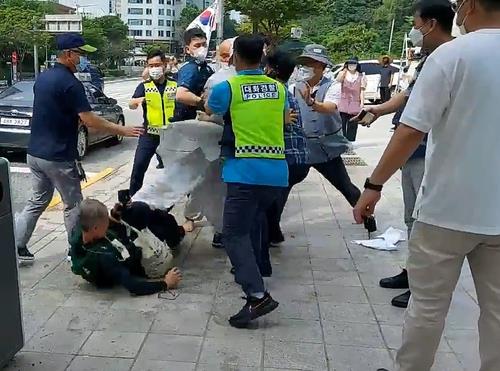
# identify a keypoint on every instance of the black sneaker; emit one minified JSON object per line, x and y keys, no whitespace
{"x":254,"y":308}
{"x":24,"y":255}
{"x":401,"y":301}
{"x":397,"y":282}
{"x":382,"y":369}
{"x":217,"y":241}
{"x":233,"y":270}
{"x":276,"y":239}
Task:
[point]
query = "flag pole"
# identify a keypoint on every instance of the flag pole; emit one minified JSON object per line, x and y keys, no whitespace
{"x":220,"y":22}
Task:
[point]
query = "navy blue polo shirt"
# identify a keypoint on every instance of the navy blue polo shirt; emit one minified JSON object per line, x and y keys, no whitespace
{"x":59,"y":98}
{"x":193,"y":76}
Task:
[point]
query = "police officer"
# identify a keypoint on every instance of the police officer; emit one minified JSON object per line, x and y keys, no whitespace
{"x":59,"y":105}
{"x":255,"y":169}
{"x":157,"y":98}
{"x":192,"y":76}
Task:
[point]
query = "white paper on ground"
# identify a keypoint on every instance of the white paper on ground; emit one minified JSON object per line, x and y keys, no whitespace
{"x":387,"y":241}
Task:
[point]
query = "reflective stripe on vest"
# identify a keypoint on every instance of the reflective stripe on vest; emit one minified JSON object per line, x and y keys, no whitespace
{"x":159,"y":110}
{"x":257,"y":115}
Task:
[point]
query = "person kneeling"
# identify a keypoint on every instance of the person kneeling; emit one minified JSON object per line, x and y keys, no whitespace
{"x":104,"y":261}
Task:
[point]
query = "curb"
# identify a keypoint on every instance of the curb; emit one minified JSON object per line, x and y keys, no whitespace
{"x":56,"y":200}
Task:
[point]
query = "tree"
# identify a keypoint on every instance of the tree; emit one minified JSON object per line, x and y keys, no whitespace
{"x":150,"y":47}
{"x":188,"y":15}
{"x":350,"y":40}
{"x":272,"y":16}
{"x":229,"y":27}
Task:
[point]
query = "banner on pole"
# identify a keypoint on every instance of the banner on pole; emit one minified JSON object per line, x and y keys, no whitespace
{"x":207,"y":20}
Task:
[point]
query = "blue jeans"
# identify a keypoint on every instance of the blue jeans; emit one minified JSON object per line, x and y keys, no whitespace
{"x":243,"y":235}
{"x":146,"y":149}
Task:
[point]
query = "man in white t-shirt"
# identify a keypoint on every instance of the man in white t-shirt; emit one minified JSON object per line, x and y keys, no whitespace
{"x":458,"y":212}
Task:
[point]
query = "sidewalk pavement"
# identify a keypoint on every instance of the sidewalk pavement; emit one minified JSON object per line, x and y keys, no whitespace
{"x":332,"y":314}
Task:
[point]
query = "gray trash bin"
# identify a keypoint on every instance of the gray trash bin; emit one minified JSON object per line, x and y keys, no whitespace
{"x":11,"y":325}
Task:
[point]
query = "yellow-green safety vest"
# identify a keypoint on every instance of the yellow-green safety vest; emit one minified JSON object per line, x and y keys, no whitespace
{"x":159,"y":110}
{"x":257,"y":112}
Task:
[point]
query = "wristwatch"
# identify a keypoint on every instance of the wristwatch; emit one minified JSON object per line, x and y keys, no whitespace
{"x":373,"y":187}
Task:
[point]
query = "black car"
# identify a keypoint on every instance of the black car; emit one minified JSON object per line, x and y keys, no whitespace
{"x":16,"y":110}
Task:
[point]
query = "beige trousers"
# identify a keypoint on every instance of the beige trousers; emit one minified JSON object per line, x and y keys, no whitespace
{"x":435,"y":260}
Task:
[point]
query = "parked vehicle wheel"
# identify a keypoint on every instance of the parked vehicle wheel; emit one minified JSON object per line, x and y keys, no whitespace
{"x":83,"y":142}
{"x":117,"y":139}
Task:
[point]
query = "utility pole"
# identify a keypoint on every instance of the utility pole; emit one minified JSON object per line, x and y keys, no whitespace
{"x":35,"y":50}
{"x":392,"y":34}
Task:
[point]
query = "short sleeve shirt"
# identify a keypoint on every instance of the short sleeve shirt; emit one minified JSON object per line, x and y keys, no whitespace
{"x":459,"y":108}
{"x":58,"y":99}
{"x":192,"y":76}
{"x":385,"y":76}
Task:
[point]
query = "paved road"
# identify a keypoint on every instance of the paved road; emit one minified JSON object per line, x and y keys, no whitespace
{"x":100,"y":157}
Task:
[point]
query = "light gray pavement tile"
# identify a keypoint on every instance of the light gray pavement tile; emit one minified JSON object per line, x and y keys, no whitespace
{"x":100,"y":300}
{"x":341,"y":294}
{"x":328,"y":252}
{"x":332,"y":265}
{"x":44,"y":297}
{"x":389,"y":315}
{"x":145,"y":303}
{"x":298,"y":275}
{"x":355,"y":313}
{"x":343,"y":358}
{"x":448,"y":362}
{"x":160,"y":347}
{"x":34,"y":361}
{"x":462,"y":341}
{"x":123,"y":320}
{"x":188,"y":319}
{"x":296,"y":309}
{"x":235,"y":351}
{"x":394,"y":334}
{"x":218,"y":327}
{"x":281,"y":289}
{"x":72,"y":318}
{"x":59,"y":341}
{"x":85,"y":363}
{"x":226,"y":367}
{"x":293,"y":330}
{"x":61,"y":278}
{"x":113,"y":344}
{"x":295,"y":355}
{"x":352,"y":334}
{"x":34,"y":318}
{"x":149,"y":365}
{"x":463,"y":313}
{"x":337,"y":278}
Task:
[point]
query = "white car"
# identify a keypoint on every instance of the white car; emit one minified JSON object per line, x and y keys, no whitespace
{"x":371,"y":69}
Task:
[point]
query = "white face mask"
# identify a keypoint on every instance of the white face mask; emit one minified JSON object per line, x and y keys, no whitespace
{"x":305,"y":73}
{"x":156,"y":72}
{"x":200,"y":54}
{"x":461,"y":27}
{"x":416,"y":37}
{"x":352,"y":67}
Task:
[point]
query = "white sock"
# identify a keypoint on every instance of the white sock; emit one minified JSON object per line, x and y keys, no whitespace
{"x":258,"y":295}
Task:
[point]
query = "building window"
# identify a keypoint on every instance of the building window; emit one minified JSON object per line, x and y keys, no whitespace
{"x":149,"y":22}
{"x":149,"y":11}
{"x":135,"y":32}
{"x":167,"y":33}
{"x":134,"y":11}
{"x":161,"y":33}
{"x":161,"y":11}
{"x":149,"y":1}
{"x":169,"y":2}
{"x":169,"y":12}
{"x":148,"y":33}
{"x":161,"y":22}
{"x":161,"y":2}
{"x":173,"y":12}
{"x":135,"y":1}
{"x":135,"y":22}
{"x":169,"y":23}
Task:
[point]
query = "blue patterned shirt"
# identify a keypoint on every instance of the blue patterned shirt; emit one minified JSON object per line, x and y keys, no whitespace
{"x":295,"y":139}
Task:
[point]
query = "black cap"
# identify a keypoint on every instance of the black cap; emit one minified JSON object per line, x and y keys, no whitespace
{"x":68,"y":41}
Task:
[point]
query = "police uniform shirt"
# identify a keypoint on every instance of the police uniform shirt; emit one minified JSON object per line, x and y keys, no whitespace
{"x":140,"y":92}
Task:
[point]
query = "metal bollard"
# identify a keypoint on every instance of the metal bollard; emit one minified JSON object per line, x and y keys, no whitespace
{"x":11,"y":318}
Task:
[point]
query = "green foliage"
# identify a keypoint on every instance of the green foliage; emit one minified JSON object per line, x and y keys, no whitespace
{"x":350,"y":40}
{"x":149,"y":47}
{"x":114,"y":73}
{"x":273,"y":16}
{"x":188,"y":14}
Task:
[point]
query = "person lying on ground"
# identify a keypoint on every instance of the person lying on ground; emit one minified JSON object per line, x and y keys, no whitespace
{"x":102,"y":260}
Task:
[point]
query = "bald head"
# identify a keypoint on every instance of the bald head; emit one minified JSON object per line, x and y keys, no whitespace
{"x":226,"y":50}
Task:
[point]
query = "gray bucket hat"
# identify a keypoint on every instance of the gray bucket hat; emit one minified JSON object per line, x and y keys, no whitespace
{"x":316,"y":52}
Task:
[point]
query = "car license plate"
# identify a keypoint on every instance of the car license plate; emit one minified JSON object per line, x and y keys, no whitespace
{"x":14,"y":121}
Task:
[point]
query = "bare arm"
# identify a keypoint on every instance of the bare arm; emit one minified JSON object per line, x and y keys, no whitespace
{"x":341,"y":75}
{"x":91,"y":120}
{"x":186,"y":97}
{"x":324,"y":107}
{"x":135,"y":103}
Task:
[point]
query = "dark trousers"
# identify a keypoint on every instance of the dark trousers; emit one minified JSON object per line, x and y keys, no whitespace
{"x":349,"y":129}
{"x":243,"y":234}
{"x":385,"y":93}
{"x":296,"y":174}
{"x":336,"y":173}
{"x":146,"y":149}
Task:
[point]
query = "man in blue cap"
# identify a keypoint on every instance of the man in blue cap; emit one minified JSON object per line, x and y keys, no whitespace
{"x":59,"y":106}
